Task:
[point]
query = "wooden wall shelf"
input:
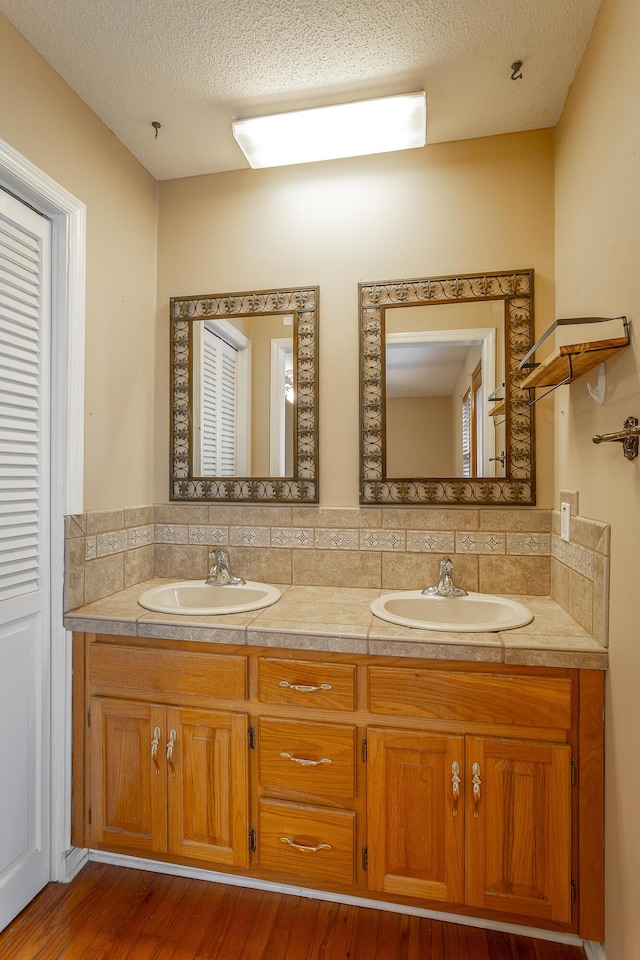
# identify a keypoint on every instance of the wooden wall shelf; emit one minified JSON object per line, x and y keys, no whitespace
{"x":571,"y":361}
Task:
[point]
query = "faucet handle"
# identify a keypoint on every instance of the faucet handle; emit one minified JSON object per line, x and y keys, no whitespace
{"x":220,"y":572}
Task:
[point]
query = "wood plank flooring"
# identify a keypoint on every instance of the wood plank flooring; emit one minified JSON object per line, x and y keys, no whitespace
{"x":113,"y":913}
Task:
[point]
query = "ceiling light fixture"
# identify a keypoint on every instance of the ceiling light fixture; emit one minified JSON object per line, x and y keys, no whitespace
{"x":327,"y":133}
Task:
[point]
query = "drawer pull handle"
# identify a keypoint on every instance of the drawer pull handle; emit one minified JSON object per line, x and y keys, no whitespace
{"x":304,"y":687}
{"x":303,"y":761}
{"x":157,"y":733}
{"x":477,"y":783}
{"x":172,"y":739}
{"x":455,"y":780}
{"x":303,"y":848}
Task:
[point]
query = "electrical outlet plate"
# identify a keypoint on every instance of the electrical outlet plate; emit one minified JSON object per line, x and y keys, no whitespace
{"x":565,"y":521}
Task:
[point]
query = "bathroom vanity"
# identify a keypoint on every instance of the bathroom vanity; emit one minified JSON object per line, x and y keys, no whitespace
{"x":449,"y":773}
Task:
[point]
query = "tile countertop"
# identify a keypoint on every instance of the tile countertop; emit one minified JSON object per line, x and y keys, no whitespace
{"x":338,"y":619}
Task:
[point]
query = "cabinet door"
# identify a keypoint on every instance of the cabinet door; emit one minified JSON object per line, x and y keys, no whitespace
{"x":128,"y":805}
{"x":207,"y":785}
{"x":519,"y":828}
{"x":416,"y":814}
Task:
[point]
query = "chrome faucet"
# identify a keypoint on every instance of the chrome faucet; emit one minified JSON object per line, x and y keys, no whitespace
{"x":220,"y":570}
{"x":445,"y":586}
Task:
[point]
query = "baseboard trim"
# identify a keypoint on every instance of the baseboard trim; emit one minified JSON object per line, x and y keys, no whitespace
{"x":194,"y":873}
{"x":74,"y":860}
{"x":594,"y":950}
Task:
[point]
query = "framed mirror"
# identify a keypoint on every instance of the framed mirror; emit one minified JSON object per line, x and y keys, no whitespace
{"x":244,"y":397}
{"x":443,"y":418}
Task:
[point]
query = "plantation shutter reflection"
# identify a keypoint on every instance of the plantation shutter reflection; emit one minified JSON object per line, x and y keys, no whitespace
{"x":466,"y":434}
{"x":219,"y":406}
{"x":20,"y":388}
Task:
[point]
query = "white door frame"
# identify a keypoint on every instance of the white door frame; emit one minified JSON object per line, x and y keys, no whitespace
{"x":280,"y":347}
{"x":68,"y":217}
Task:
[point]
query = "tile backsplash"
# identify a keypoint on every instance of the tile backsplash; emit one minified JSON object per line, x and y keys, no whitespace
{"x":507,"y":551}
{"x":107,"y":551}
{"x":580,"y":573}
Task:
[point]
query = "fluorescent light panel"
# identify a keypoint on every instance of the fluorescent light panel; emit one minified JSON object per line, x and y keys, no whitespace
{"x":326,"y":133}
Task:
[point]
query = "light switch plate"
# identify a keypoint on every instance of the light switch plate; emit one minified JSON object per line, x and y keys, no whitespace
{"x":565,"y":521}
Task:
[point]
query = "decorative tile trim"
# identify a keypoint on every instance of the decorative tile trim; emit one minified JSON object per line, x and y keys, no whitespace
{"x":90,"y":547}
{"x":140,"y":537}
{"x":431,"y":541}
{"x":171,"y":533}
{"x":210,"y":535}
{"x":581,"y":560}
{"x":249,"y":536}
{"x":574,"y":556}
{"x":114,"y":542}
{"x":336,"y":539}
{"x":299,"y":537}
{"x":529,"y":544}
{"x":559,"y":549}
{"x":480,"y":542}
{"x":393,"y":540}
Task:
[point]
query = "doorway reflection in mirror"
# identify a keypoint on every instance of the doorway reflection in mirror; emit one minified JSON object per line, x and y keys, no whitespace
{"x":438,"y":382}
{"x":242,"y":376}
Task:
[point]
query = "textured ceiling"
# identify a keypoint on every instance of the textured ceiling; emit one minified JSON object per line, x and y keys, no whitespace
{"x":194,"y":65}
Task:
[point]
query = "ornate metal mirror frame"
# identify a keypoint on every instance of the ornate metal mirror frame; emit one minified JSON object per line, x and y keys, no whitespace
{"x":518,"y":486}
{"x":302,"y":487}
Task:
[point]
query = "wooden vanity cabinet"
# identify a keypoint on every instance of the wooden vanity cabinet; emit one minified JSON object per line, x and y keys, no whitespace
{"x":169,"y":780}
{"x":483,"y":821}
{"x":165,"y":777}
{"x":477,"y":821}
{"x":474,"y":788}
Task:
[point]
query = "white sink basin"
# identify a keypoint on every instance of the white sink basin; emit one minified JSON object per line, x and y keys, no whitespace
{"x":204,"y":599}
{"x":475,"y":613}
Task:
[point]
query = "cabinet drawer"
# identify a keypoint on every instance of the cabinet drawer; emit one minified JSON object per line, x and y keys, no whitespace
{"x":310,"y":842}
{"x":307,"y":760}
{"x":167,"y":672}
{"x":471,"y":697}
{"x":306,"y":683}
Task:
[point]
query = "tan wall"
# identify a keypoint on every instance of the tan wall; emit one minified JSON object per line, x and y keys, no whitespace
{"x":46,"y":122}
{"x":451,"y":208}
{"x":598,"y":252}
{"x":420,"y":437}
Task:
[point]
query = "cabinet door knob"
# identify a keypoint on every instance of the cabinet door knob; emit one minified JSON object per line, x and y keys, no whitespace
{"x":304,"y":687}
{"x":303,"y":761}
{"x":455,"y":781}
{"x":477,"y":783}
{"x":170,"y":745}
{"x":303,"y":848}
{"x":157,"y":733}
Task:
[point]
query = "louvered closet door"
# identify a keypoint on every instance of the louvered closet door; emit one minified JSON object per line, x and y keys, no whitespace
{"x":24,"y":555}
{"x":219,"y":406}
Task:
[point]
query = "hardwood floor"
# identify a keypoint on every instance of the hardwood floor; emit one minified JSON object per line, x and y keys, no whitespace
{"x":112,"y":913}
